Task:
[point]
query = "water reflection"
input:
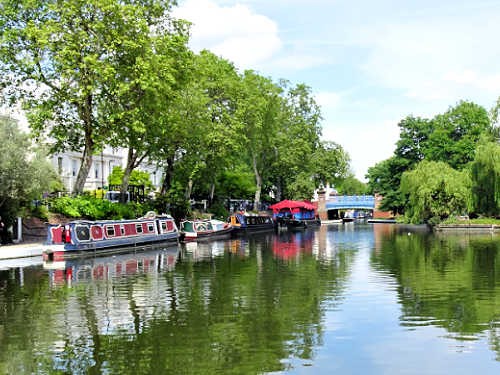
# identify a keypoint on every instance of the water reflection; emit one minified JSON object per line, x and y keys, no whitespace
{"x":450,"y":281}
{"x":105,"y":268}
{"x":287,"y":302}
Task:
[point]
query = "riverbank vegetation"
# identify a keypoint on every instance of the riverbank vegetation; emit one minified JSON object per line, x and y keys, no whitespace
{"x":443,"y":167}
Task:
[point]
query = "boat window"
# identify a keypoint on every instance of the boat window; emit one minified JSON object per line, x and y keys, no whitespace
{"x":201,"y":226}
{"x":138,"y":228}
{"x":151,"y":227}
{"x":188,"y":226}
{"x":110,"y":231}
{"x":82,"y":232}
{"x":163,"y":226}
{"x":122,"y":230}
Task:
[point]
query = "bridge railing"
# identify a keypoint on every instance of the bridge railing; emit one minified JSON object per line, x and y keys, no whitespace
{"x":351,"y":201}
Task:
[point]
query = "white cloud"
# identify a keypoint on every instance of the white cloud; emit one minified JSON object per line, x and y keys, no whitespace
{"x":233,"y":32}
{"x":436,"y":59}
{"x":327,"y":99}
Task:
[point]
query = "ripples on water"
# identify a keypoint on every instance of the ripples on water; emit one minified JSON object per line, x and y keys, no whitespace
{"x":345,"y":299}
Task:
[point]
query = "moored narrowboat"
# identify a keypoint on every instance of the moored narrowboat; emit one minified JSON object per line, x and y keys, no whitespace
{"x":82,"y":237}
{"x":295,"y":214}
{"x":251,"y":223}
{"x":195,"y":230}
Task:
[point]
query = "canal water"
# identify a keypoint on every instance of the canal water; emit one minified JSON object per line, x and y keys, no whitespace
{"x":344,"y":299}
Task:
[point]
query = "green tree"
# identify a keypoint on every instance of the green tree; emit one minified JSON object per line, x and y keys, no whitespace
{"x":137,"y":178}
{"x":385,"y":178}
{"x":495,"y":120}
{"x":456,"y":133}
{"x":297,"y":143}
{"x":350,"y":185}
{"x":329,"y":163}
{"x":148,"y":74}
{"x":58,"y":59}
{"x":451,"y":137}
{"x":413,"y":135}
{"x":435,"y":191}
{"x":220,"y":137}
{"x":258,"y":110}
{"x":485,"y":173}
{"x":24,"y":172}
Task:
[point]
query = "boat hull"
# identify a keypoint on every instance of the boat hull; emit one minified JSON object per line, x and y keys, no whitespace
{"x":294,"y":224}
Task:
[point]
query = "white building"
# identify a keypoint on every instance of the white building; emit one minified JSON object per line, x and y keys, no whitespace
{"x":68,"y":164}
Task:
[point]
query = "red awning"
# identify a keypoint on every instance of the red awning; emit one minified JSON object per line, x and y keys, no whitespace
{"x":291,"y":204}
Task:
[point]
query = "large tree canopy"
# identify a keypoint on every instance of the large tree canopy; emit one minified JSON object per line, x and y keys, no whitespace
{"x":59,"y":58}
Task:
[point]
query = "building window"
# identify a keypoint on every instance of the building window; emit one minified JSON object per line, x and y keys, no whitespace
{"x":59,"y":165}
{"x":73,"y":167}
{"x":96,"y":172}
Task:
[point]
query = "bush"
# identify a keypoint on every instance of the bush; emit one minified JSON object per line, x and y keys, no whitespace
{"x":64,"y":206}
{"x":219,"y":211}
{"x":92,"y":208}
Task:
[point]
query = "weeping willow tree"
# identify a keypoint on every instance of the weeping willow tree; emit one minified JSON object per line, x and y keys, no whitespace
{"x":435,"y":191}
{"x":485,"y":173}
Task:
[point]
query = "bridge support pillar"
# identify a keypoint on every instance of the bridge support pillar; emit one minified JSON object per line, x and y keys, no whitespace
{"x":322,"y":211}
{"x":377,"y":214}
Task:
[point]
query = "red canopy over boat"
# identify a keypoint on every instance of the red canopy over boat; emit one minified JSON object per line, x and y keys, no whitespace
{"x":287,"y":204}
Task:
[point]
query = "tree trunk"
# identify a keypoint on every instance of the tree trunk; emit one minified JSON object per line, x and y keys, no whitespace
{"x":279,"y":191}
{"x":189,"y":189}
{"x":212,"y":193}
{"x":131,"y":164}
{"x":168,"y":176}
{"x":258,"y":181}
{"x":85,"y":113}
{"x":83,"y":172}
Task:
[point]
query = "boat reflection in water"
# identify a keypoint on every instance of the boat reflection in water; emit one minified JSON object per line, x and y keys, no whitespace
{"x":206,"y":250}
{"x":291,"y":245}
{"x":147,"y":259}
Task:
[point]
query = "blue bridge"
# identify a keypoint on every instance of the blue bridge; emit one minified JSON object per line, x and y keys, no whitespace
{"x":339,"y":202}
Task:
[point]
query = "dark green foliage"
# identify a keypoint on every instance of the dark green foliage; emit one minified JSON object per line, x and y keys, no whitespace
{"x":96,"y":209}
{"x":455,"y":134}
{"x":174,"y":203}
{"x":384,"y":178}
{"x":219,"y":211}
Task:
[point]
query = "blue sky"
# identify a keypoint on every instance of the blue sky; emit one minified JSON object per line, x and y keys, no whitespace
{"x":369,"y":63}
